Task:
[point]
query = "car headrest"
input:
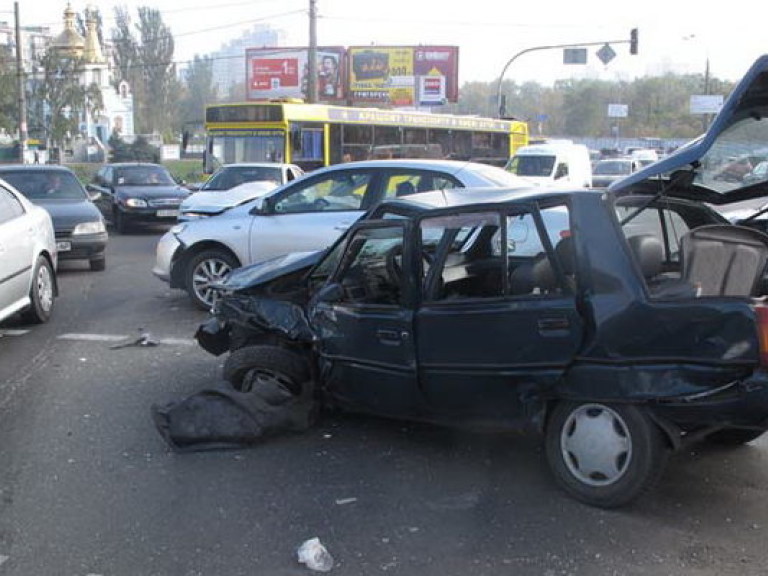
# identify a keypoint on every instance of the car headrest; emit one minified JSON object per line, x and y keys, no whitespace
{"x":565,"y":253}
{"x":649,"y":253}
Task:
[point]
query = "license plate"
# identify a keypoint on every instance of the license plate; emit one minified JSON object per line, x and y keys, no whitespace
{"x":63,"y":246}
{"x":167,"y":213}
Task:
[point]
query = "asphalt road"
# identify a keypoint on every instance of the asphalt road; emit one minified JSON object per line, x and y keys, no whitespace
{"x":88,"y":487}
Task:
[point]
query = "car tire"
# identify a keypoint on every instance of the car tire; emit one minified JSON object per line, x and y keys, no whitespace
{"x":41,"y":293}
{"x":204,"y":268}
{"x":734,"y":436}
{"x":604,"y":455}
{"x":120,"y":220}
{"x":98,"y":264}
{"x":247,"y":367}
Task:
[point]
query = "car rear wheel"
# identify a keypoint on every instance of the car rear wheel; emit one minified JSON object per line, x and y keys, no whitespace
{"x":98,"y":264}
{"x":41,"y":293}
{"x":604,"y":454}
{"x":120,"y":220}
{"x":248,"y":367}
{"x":205,"y":269}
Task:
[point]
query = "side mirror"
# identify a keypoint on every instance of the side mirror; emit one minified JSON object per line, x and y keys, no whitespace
{"x":330,"y":293}
{"x":262,"y":207}
{"x":94,"y":195}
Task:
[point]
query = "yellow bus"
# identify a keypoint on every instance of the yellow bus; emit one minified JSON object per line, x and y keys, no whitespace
{"x":315,"y":135}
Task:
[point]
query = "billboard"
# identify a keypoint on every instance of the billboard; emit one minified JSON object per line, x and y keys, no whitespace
{"x":403,"y":75}
{"x":282,"y":73}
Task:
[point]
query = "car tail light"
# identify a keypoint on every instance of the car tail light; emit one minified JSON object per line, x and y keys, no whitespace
{"x":762,"y":332}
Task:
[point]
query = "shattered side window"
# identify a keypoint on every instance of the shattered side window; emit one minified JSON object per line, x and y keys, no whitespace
{"x":372,"y":267}
{"x":457,"y":257}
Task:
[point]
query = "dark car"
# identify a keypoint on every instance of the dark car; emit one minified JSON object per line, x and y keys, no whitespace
{"x":133,"y":193}
{"x":606,"y":172}
{"x":78,"y":224}
{"x":638,"y":328}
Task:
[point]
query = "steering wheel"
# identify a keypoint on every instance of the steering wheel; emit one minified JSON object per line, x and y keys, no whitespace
{"x":394,"y":262}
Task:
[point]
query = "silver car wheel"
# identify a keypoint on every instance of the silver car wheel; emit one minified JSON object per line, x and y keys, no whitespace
{"x":596,"y":445}
{"x":44,"y":281}
{"x":206,"y":273}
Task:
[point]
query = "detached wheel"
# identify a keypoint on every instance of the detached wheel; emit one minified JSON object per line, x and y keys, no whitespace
{"x":734,"y":436}
{"x":41,"y":293}
{"x":604,"y":454}
{"x":246,"y":367}
{"x":204,"y":269}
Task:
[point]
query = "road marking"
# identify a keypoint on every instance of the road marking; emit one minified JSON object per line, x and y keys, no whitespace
{"x":4,"y":559}
{"x":94,"y":337}
{"x":13,"y":332}
{"x":123,"y":338}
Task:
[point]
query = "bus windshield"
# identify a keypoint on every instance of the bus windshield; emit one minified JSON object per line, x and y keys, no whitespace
{"x":253,"y":146}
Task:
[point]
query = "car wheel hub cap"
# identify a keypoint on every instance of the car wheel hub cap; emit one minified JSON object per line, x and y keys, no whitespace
{"x":207,"y":273}
{"x":45,"y":288}
{"x":596,"y":445}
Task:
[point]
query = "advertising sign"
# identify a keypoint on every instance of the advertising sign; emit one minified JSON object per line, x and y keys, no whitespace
{"x":706,"y":103}
{"x":618,"y":110}
{"x":282,"y":73}
{"x":394,"y":75}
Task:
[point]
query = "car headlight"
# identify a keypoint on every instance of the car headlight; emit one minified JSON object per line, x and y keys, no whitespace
{"x":194,"y":215}
{"x":96,"y":227}
{"x":136,"y":203}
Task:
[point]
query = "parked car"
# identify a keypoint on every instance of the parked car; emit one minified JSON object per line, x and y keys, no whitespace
{"x":132,"y":193}
{"x":638,"y":330}
{"x":605,"y":172}
{"x":210,"y":203}
{"x":307,"y":214}
{"x":78,"y":224}
{"x":27,"y":258}
{"x":231,"y":175}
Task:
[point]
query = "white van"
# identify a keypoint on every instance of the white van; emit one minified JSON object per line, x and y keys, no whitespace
{"x":560,"y":165}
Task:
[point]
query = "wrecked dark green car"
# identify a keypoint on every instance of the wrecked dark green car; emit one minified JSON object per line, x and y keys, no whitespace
{"x":622,"y":324}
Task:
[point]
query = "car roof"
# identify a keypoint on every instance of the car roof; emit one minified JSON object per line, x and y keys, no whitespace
{"x":34,"y":168}
{"x":458,"y":197}
{"x":257,"y":165}
{"x":446,"y":165}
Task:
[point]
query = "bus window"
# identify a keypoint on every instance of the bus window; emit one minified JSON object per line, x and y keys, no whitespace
{"x":254,"y":147}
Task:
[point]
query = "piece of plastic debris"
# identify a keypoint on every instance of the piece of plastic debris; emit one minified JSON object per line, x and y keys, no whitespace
{"x":315,"y":556}
{"x":144,"y":340}
{"x":342,"y":501}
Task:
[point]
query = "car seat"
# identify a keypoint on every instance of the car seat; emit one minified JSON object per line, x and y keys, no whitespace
{"x":724,"y":260}
{"x":404,"y":189}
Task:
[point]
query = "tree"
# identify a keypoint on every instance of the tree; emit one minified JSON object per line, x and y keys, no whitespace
{"x":145,"y":60}
{"x":67,"y":99}
{"x":8,"y":92}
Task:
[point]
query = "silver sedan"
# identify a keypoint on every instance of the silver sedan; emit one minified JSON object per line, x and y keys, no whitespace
{"x":304,"y":215}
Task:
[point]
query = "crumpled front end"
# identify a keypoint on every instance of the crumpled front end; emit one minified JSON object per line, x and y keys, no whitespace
{"x":240,"y":319}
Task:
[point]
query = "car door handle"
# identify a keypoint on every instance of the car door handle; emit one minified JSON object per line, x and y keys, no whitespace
{"x":553,"y":324}
{"x":391,"y":337}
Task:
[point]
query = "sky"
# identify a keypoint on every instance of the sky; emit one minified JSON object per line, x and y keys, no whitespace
{"x":678,"y":36}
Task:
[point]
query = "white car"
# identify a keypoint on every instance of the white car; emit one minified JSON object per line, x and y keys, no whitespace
{"x":210,"y":203}
{"x":305,"y":215}
{"x":27,"y":258}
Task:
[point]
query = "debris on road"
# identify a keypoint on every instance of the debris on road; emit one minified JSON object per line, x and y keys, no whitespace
{"x":144,"y":340}
{"x":315,"y":556}
{"x":222,"y":417}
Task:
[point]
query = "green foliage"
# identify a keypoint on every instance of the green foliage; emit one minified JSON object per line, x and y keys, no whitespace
{"x":66,"y":97}
{"x":137,"y":151}
{"x":658,"y":106}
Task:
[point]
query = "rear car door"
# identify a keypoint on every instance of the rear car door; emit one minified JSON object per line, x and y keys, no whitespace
{"x":16,"y":250}
{"x":498,"y":323}
{"x":312,"y":213}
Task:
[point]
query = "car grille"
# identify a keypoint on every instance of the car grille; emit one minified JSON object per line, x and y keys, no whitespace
{"x":157,"y":202}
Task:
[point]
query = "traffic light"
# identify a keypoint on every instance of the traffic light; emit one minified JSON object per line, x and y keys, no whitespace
{"x":633,"y":41}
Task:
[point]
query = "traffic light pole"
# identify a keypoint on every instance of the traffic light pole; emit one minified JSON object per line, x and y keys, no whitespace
{"x":633,"y":50}
{"x":21,"y":87}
